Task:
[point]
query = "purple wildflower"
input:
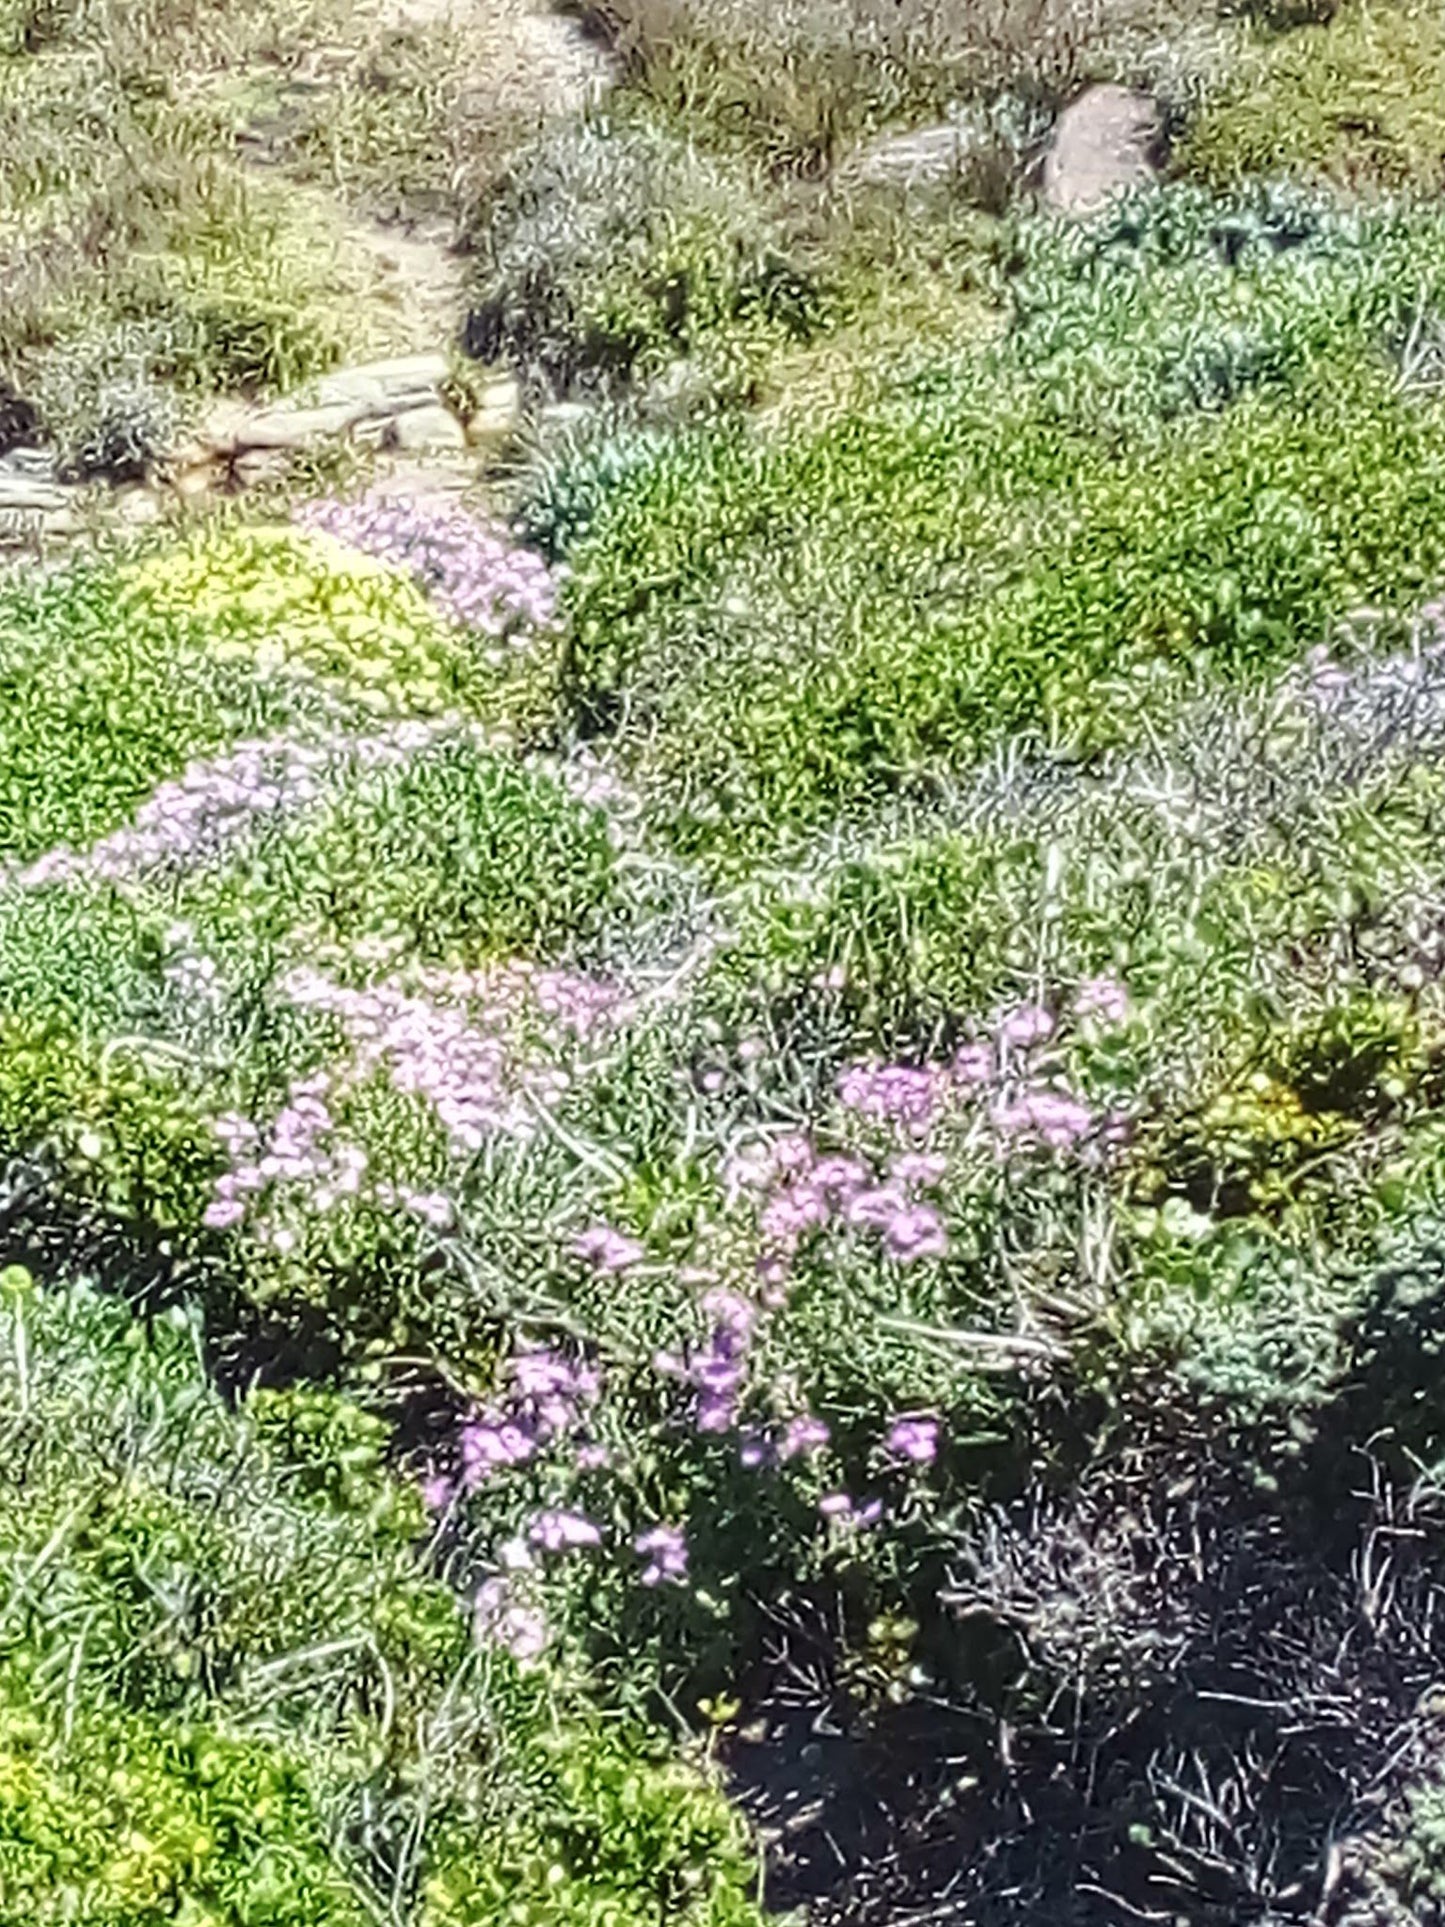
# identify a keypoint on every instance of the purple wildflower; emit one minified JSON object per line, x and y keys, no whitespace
{"x":1103,"y":998}
{"x":489,"y":1443}
{"x":839,"y":1508}
{"x":665,"y":1550}
{"x":561,"y":1531}
{"x":504,"y":1620}
{"x":916,"y":1233}
{"x":973,"y":1064}
{"x":915,"y":1437}
{"x":470,"y":567}
{"x":437,"y":1492}
{"x":1053,"y":1116}
{"x":802,"y":1437}
{"x":918,"y":1167}
{"x":607,"y":1249}
{"x":1024,"y":1025}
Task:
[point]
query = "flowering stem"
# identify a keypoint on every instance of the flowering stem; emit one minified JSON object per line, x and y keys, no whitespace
{"x":591,"y":1155}
{"x":1005,"y":1342}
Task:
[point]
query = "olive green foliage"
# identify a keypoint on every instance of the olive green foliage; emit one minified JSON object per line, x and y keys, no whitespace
{"x":1188,"y":302}
{"x":114,"y":1060}
{"x":225,"y":283}
{"x":1355,"y":100}
{"x":457,"y":856}
{"x":227,"y":1692}
{"x":1200,"y":870}
{"x":972,"y":674}
{"x":180,"y":650}
{"x":615,"y":244}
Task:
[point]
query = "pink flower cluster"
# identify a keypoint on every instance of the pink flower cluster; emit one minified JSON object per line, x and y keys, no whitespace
{"x":606,"y":1248}
{"x":895,"y":1093}
{"x":1047,"y":1116}
{"x":505,"y":1618}
{"x":462,"y":1065}
{"x":476,"y":1074}
{"x":195,"y":816}
{"x":717,"y":1369}
{"x":546,"y":1402}
{"x":665,"y":1550}
{"x":562,"y":1531}
{"x":799,"y":1190}
{"x":1033,"y":1111}
{"x":1104,"y":999}
{"x":842,"y":1509}
{"x":298,"y":1157}
{"x":471,"y":568}
{"x":914,"y":1437}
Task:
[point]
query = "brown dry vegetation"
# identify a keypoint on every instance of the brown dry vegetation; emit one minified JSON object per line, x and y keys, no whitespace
{"x":802,"y":78}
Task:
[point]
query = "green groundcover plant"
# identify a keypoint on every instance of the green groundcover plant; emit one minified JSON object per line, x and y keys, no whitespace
{"x":229,"y":1694}
{"x":1189,"y":455}
{"x":966,"y":1028}
{"x":613,"y":245}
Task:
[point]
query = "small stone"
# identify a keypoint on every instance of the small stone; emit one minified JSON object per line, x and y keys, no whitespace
{"x":1106,"y":141}
{"x":137,"y":507}
{"x":430,"y":427}
{"x":283,"y":427}
{"x":30,"y":464}
{"x":194,"y":479}
{"x":258,"y":466}
{"x":400,"y":380}
{"x":24,"y":493}
{"x":22,"y":525}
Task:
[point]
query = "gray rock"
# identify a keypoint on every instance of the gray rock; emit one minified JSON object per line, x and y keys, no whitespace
{"x":19,"y":525}
{"x":403,"y":381}
{"x":137,"y":507}
{"x":429,"y":427}
{"x":30,"y":464}
{"x":924,"y":157}
{"x":22,"y":493}
{"x":371,"y":392}
{"x":1107,"y":141}
{"x":289,"y":428}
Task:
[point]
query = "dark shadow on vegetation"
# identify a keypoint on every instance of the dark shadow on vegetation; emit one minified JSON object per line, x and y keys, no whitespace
{"x":58,"y":1238}
{"x":1189,"y":1683}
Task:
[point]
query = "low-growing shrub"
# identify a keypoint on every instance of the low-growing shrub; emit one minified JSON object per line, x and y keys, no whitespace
{"x":101,"y":402}
{"x":613,"y":246}
{"x":449,"y":854}
{"x":781,"y":628}
{"x":116,"y":675}
{"x":1188,"y":302}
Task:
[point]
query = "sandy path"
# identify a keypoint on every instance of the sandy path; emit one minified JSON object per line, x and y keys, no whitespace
{"x":524,"y":65}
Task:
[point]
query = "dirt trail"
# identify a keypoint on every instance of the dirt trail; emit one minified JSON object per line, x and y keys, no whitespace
{"x":525,"y":65}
